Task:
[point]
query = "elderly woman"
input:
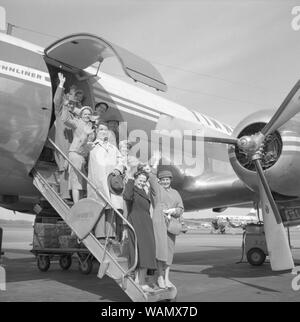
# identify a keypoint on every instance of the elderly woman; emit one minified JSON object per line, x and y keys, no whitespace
{"x":82,"y":130}
{"x":166,"y":203}
{"x":139,"y":217}
{"x":104,"y":159}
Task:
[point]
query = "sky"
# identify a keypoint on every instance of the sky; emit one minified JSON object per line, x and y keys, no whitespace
{"x":226,"y":59}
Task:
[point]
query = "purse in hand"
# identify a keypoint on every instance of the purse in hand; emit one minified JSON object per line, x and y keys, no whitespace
{"x":174,"y":226}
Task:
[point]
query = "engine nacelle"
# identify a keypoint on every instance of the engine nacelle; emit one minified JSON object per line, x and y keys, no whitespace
{"x":281,"y":154}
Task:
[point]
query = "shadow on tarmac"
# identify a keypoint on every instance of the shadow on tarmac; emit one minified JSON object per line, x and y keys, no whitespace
{"x":25,"y":269}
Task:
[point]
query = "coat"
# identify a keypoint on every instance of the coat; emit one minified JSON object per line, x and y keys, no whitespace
{"x":103,"y":159}
{"x":139,"y":218}
{"x":82,"y":131}
{"x":63,"y":136}
{"x":164,"y":199}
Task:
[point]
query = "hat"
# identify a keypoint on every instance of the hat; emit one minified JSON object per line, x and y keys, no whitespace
{"x":103,"y":103}
{"x":165,"y":174}
{"x":115,"y":183}
{"x":84,"y":108}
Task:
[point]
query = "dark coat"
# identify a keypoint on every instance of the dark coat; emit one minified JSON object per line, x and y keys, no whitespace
{"x":139,"y":217}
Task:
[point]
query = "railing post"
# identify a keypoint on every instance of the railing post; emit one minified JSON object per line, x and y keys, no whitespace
{"x":1,"y":237}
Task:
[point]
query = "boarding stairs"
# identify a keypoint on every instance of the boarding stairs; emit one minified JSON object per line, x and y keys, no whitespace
{"x":82,"y":218}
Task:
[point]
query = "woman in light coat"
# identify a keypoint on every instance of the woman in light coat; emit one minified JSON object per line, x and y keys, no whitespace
{"x":166,"y":203}
{"x":104,"y":159}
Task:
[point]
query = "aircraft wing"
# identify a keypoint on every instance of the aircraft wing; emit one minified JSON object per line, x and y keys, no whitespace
{"x":216,"y":191}
{"x":82,"y":50}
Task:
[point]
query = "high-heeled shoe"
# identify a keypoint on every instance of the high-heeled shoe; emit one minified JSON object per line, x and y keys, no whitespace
{"x":147,"y":288}
{"x":169,"y":284}
{"x":161,"y":282}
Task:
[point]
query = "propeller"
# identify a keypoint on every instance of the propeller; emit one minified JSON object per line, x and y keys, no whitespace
{"x":277,"y":241}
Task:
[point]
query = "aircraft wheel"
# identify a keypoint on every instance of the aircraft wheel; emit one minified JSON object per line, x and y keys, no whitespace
{"x":65,"y":262}
{"x":86,"y":266}
{"x":43,"y":263}
{"x":256,"y":256}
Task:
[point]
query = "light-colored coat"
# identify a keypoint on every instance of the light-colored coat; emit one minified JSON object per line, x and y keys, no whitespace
{"x":81,"y":131}
{"x":103,"y":159}
{"x":63,"y":136}
{"x":163,"y":199}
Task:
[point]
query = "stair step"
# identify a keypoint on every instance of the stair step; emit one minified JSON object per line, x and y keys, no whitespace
{"x":162,"y":294}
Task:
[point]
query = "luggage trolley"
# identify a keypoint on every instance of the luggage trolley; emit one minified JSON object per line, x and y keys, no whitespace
{"x":52,"y":240}
{"x":45,"y":255}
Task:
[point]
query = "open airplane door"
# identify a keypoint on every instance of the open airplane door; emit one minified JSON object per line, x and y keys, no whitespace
{"x":79,"y":51}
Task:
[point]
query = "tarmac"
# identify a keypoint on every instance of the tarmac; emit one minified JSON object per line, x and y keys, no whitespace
{"x":205,"y":269}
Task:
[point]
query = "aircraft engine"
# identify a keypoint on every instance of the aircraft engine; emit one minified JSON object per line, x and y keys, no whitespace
{"x":280,"y":154}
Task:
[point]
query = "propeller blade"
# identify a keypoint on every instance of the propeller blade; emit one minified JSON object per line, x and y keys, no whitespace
{"x":277,"y":241}
{"x":289,"y":107}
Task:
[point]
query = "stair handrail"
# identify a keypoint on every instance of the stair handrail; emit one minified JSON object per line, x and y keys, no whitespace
{"x":101,"y":195}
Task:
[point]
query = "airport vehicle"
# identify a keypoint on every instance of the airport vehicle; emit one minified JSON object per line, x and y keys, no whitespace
{"x":255,"y":244}
{"x":234,"y":167}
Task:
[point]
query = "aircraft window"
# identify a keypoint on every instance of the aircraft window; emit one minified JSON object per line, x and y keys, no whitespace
{"x":200,"y":116}
{"x":228,"y":129}
{"x":208,"y":121}
{"x":216,"y":124}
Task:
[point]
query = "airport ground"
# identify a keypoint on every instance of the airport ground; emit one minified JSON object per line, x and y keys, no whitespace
{"x":205,"y":269}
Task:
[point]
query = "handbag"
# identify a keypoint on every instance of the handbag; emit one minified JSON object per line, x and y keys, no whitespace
{"x":174,"y":226}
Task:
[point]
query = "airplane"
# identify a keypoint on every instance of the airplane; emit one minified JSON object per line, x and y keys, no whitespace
{"x":255,"y":162}
{"x":251,"y":217}
{"x":219,"y":223}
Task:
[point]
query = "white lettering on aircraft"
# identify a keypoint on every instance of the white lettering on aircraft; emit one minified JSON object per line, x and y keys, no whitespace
{"x":39,"y":77}
{"x":23,"y":72}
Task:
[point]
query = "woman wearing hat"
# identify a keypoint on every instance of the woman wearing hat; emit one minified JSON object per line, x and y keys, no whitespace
{"x":166,"y":203}
{"x":82,"y":130}
{"x":105,"y":167}
{"x":138,"y":200}
{"x":63,"y":136}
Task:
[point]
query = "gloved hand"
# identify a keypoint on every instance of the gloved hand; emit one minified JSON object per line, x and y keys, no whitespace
{"x":125,"y":234}
{"x":170,"y":212}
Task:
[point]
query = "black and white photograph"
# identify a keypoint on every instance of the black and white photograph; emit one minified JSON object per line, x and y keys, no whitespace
{"x":150,"y":153}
